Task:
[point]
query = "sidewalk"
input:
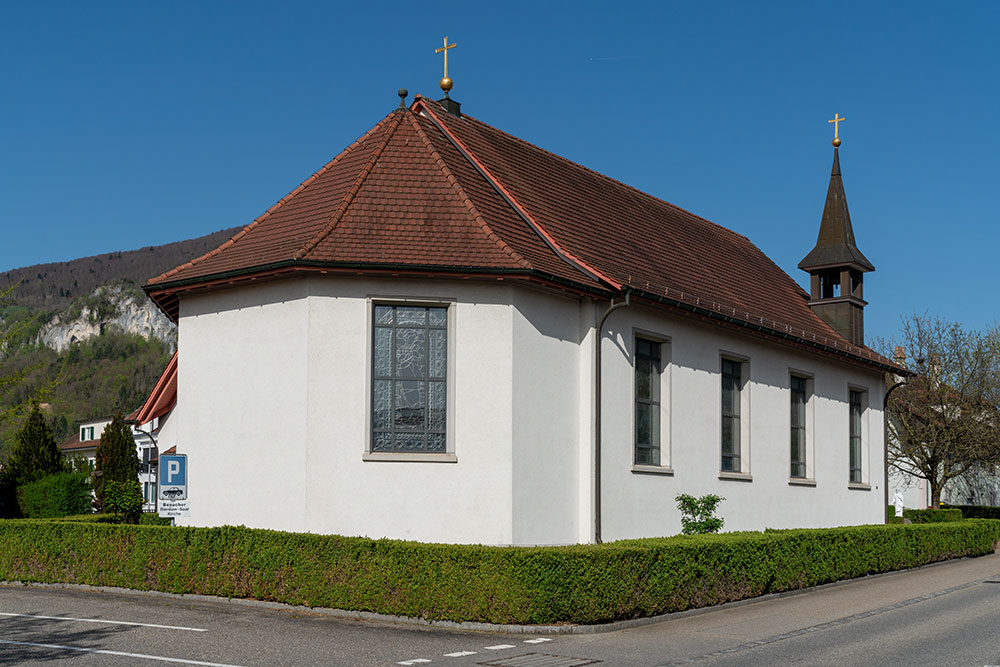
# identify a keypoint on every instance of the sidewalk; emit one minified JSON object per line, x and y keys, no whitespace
{"x":773,"y":617}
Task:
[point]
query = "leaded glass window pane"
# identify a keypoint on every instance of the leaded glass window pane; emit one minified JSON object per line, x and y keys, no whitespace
{"x":409,"y":385}
{"x":731,"y":388}
{"x":647,"y":402}
{"x":856,"y":408}
{"x":438,"y":352}
{"x":383,"y":352}
{"x":798,"y":427}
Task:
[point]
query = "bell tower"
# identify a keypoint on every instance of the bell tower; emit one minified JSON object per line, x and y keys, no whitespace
{"x":836,"y":267}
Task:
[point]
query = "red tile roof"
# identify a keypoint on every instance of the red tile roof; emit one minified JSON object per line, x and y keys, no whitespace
{"x":428,"y":191}
{"x":74,"y":442}
{"x":162,"y":398}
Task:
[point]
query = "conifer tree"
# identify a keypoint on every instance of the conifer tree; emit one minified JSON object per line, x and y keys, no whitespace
{"x":117,"y":460}
{"x":35,"y":454}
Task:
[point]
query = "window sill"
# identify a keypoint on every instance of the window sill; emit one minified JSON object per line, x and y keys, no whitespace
{"x":652,"y":470}
{"x":859,"y":486}
{"x":411,"y":457}
{"x":801,"y":481}
{"x":736,"y":476}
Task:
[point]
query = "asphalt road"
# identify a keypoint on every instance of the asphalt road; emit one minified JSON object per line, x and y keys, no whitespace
{"x":946,"y":614}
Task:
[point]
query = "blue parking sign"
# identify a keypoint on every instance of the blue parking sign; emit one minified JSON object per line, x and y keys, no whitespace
{"x":173,"y":477}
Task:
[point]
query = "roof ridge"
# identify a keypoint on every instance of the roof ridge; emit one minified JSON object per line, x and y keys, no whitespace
{"x":549,"y":240}
{"x":464,"y":197}
{"x":611,"y":179}
{"x":345,"y":203}
{"x":266,"y":214}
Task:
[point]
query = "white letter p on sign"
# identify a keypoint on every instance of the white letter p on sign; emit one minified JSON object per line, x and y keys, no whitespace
{"x":173,"y":468}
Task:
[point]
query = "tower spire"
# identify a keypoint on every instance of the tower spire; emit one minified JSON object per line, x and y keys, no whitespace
{"x":836,"y":265}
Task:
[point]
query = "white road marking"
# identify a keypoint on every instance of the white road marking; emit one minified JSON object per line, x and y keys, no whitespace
{"x":100,"y":620}
{"x":141,"y":656}
{"x":540,"y":640}
{"x":499,"y":647}
{"x":415,"y":661}
{"x":459,"y":654}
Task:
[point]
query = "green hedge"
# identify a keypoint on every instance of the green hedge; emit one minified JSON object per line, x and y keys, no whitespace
{"x":932,"y":516}
{"x":976,"y":511}
{"x":145,"y":519}
{"x":54,"y":496}
{"x":578,"y":584}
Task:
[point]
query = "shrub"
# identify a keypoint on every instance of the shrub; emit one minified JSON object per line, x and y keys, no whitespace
{"x":117,"y":460}
{"x":124,"y":499}
{"x":56,"y":495}
{"x":931,"y":516}
{"x":576,"y":584}
{"x":976,"y":511}
{"x":698,"y":514}
{"x":35,"y":454}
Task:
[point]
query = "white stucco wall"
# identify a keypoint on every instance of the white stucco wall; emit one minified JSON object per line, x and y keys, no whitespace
{"x":547,"y":434}
{"x":275,"y":402}
{"x":641,"y":504}
{"x":273,"y":413}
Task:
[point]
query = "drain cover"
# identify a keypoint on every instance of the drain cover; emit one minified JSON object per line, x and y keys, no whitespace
{"x":539,"y":660}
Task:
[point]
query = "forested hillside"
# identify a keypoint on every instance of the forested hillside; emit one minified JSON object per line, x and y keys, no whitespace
{"x":80,"y":334}
{"x":52,"y":287}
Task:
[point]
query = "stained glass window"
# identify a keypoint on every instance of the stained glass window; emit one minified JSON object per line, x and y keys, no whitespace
{"x":798,"y":426}
{"x":409,"y":368}
{"x":857,"y":407}
{"x":647,"y":402}
{"x":731,"y":387}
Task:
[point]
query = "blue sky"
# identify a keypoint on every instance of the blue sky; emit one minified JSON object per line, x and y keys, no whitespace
{"x":137,"y":123}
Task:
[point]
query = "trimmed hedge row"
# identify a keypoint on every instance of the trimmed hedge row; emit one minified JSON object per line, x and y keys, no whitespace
{"x":976,"y":511}
{"x":145,"y":519}
{"x":932,"y":516}
{"x":522,"y":585}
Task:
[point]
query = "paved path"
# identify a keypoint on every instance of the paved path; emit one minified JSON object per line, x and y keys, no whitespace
{"x":942,"y":614}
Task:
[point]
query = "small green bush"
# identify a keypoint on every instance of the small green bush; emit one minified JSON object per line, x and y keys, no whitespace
{"x":124,"y":499}
{"x":521,"y":585}
{"x":54,"y":496}
{"x":931,"y":516}
{"x":698,"y":514}
{"x":976,"y":511}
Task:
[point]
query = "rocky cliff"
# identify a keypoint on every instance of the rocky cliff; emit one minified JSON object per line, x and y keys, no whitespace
{"x":110,"y":308}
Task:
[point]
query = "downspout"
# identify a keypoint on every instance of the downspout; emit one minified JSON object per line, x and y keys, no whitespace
{"x":885,"y":443}
{"x":597,"y":413}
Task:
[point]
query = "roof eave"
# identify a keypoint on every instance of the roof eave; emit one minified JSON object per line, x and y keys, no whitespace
{"x":164,"y":294}
{"x":769,"y":332}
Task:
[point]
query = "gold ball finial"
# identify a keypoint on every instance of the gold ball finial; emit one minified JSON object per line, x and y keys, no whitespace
{"x":836,"y":142}
{"x":446,"y":84}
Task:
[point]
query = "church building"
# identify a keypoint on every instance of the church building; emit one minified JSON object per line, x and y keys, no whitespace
{"x":448,"y":334}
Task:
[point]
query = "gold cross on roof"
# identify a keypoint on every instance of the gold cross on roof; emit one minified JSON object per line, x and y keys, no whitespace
{"x":444,"y":49}
{"x":836,"y":124}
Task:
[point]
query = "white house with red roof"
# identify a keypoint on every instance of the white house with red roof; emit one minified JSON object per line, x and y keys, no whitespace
{"x":449,"y":334}
{"x":151,"y":426}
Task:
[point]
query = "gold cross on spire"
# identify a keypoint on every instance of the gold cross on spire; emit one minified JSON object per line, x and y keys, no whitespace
{"x":836,"y":123}
{"x":446,"y":82}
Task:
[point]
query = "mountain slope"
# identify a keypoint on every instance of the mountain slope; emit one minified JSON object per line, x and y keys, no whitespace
{"x":53,"y":286}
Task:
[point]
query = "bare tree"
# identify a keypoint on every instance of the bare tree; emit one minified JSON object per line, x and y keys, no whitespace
{"x":946,"y":420}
